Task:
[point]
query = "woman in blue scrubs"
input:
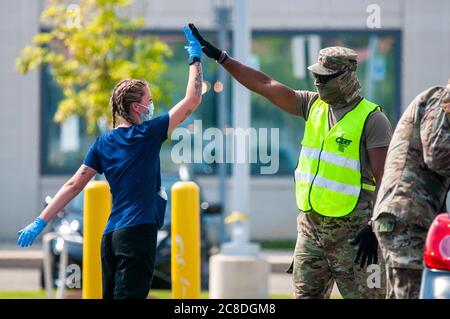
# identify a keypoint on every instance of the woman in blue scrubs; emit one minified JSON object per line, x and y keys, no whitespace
{"x":128,"y":155}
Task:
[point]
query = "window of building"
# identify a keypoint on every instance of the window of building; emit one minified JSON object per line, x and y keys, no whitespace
{"x":283,"y":55}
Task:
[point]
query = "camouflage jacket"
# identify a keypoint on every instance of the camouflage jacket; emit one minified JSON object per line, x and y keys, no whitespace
{"x":417,"y":171}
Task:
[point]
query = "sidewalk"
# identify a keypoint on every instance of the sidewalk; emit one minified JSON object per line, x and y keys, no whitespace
{"x":20,"y":268}
{"x":279,"y":259}
{"x":12,"y":256}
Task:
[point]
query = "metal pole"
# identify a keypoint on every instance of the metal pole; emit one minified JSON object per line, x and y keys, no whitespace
{"x":241,"y":110}
{"x":64,"y":260}
{"x":222,"y":17}
{"x":46,"y":241}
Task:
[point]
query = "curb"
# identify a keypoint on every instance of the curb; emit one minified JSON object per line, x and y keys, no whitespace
{"x":34,"y":258}
{"x":279,"y":264}
{"x":21,"y":259}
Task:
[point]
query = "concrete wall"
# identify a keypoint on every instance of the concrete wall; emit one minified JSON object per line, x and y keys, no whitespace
{"x":19,"y":113}
{"x":426,"y":46}
{"x":425,"y":62}
{"x":425,"y":28}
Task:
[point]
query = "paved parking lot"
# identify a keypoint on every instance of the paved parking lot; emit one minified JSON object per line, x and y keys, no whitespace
{"x":28,"y":279}
{"x":19,"y":279}
{"x":19,"y":269}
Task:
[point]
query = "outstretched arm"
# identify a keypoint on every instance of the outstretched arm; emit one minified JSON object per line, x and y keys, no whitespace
{"x":67,"y":192}
{"x":258,"y":82}
{"x":254,"y":80}
{"x":193,"y":97}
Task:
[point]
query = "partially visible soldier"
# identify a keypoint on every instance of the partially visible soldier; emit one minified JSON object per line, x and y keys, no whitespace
{"x":414,"y":188}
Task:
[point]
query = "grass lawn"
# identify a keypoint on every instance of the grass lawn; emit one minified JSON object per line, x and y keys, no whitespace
{"x":157,"y":294}
{"x":277,"y":244}
{"x":32,"y":294}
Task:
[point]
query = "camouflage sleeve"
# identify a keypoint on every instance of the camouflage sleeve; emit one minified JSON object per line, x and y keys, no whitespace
{"x":435,"y":133}
{"x":304,"y":100}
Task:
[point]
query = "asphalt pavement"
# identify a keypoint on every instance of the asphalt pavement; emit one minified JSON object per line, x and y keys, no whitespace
{"x":20,"y":269}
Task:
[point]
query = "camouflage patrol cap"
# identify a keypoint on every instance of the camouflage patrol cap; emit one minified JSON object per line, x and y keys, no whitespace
{"x":333,"y":60}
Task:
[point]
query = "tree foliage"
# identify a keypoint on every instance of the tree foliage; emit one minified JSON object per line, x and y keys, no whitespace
{"x":89,"y":48}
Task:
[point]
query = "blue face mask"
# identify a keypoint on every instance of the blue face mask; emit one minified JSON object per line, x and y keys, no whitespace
{"x":149,"y":115}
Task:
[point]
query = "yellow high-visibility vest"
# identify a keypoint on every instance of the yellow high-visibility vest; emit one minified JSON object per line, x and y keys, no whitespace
{"x":328,"y":175}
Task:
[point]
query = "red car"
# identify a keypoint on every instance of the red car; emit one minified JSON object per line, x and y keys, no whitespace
{"x":436,"y":275}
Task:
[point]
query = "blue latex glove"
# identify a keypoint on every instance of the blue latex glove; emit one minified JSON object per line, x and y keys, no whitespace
{"x":28,"y":234}
{"x":194,"y":47}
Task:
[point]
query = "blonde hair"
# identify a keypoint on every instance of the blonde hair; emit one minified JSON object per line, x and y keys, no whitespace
{"x":126,"y":92}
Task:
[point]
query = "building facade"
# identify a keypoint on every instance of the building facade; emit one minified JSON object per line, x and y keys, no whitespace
{"x":414,"y":35}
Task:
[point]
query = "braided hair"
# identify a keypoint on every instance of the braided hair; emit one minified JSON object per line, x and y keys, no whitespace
{"x":126,"y":92}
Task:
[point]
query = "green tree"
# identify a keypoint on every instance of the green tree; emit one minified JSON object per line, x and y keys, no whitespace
{"x":89,"y":48}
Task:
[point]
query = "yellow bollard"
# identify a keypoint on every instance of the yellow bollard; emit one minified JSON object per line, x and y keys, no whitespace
{"x":97,"y":207}
{"x":185,"y":232}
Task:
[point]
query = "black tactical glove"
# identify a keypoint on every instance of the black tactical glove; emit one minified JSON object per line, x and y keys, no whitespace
{"x":210,"y":50}
{"x":368,"y":247}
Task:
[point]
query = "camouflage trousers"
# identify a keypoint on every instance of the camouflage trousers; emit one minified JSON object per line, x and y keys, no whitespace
{"x":402,"y":246}
{"x":323,"y":256}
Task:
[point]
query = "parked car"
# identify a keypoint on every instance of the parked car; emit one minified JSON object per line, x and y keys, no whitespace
{"x":436,"y":274}
{"x":70,"y":222}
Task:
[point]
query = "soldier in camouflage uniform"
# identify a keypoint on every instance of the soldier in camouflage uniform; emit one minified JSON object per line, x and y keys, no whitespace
{"x":323,"y":253}
{"x":414,"y":188}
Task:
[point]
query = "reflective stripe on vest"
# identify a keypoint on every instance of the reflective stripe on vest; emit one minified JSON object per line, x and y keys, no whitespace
{"x":328,"y":175}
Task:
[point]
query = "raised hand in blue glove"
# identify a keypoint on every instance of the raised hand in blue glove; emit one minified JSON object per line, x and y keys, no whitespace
{"x":193,"y":48}
{"x":28,"y":234}
{"x":210,"y":50}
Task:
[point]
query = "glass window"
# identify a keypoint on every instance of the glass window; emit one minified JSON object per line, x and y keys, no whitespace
{"x":177,"y":74}
{"x":63,"y":147}
{"x":285,"y":57}
{"x":282,"y":55}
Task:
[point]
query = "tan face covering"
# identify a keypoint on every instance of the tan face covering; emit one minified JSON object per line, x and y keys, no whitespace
{"x":340,"y":91}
